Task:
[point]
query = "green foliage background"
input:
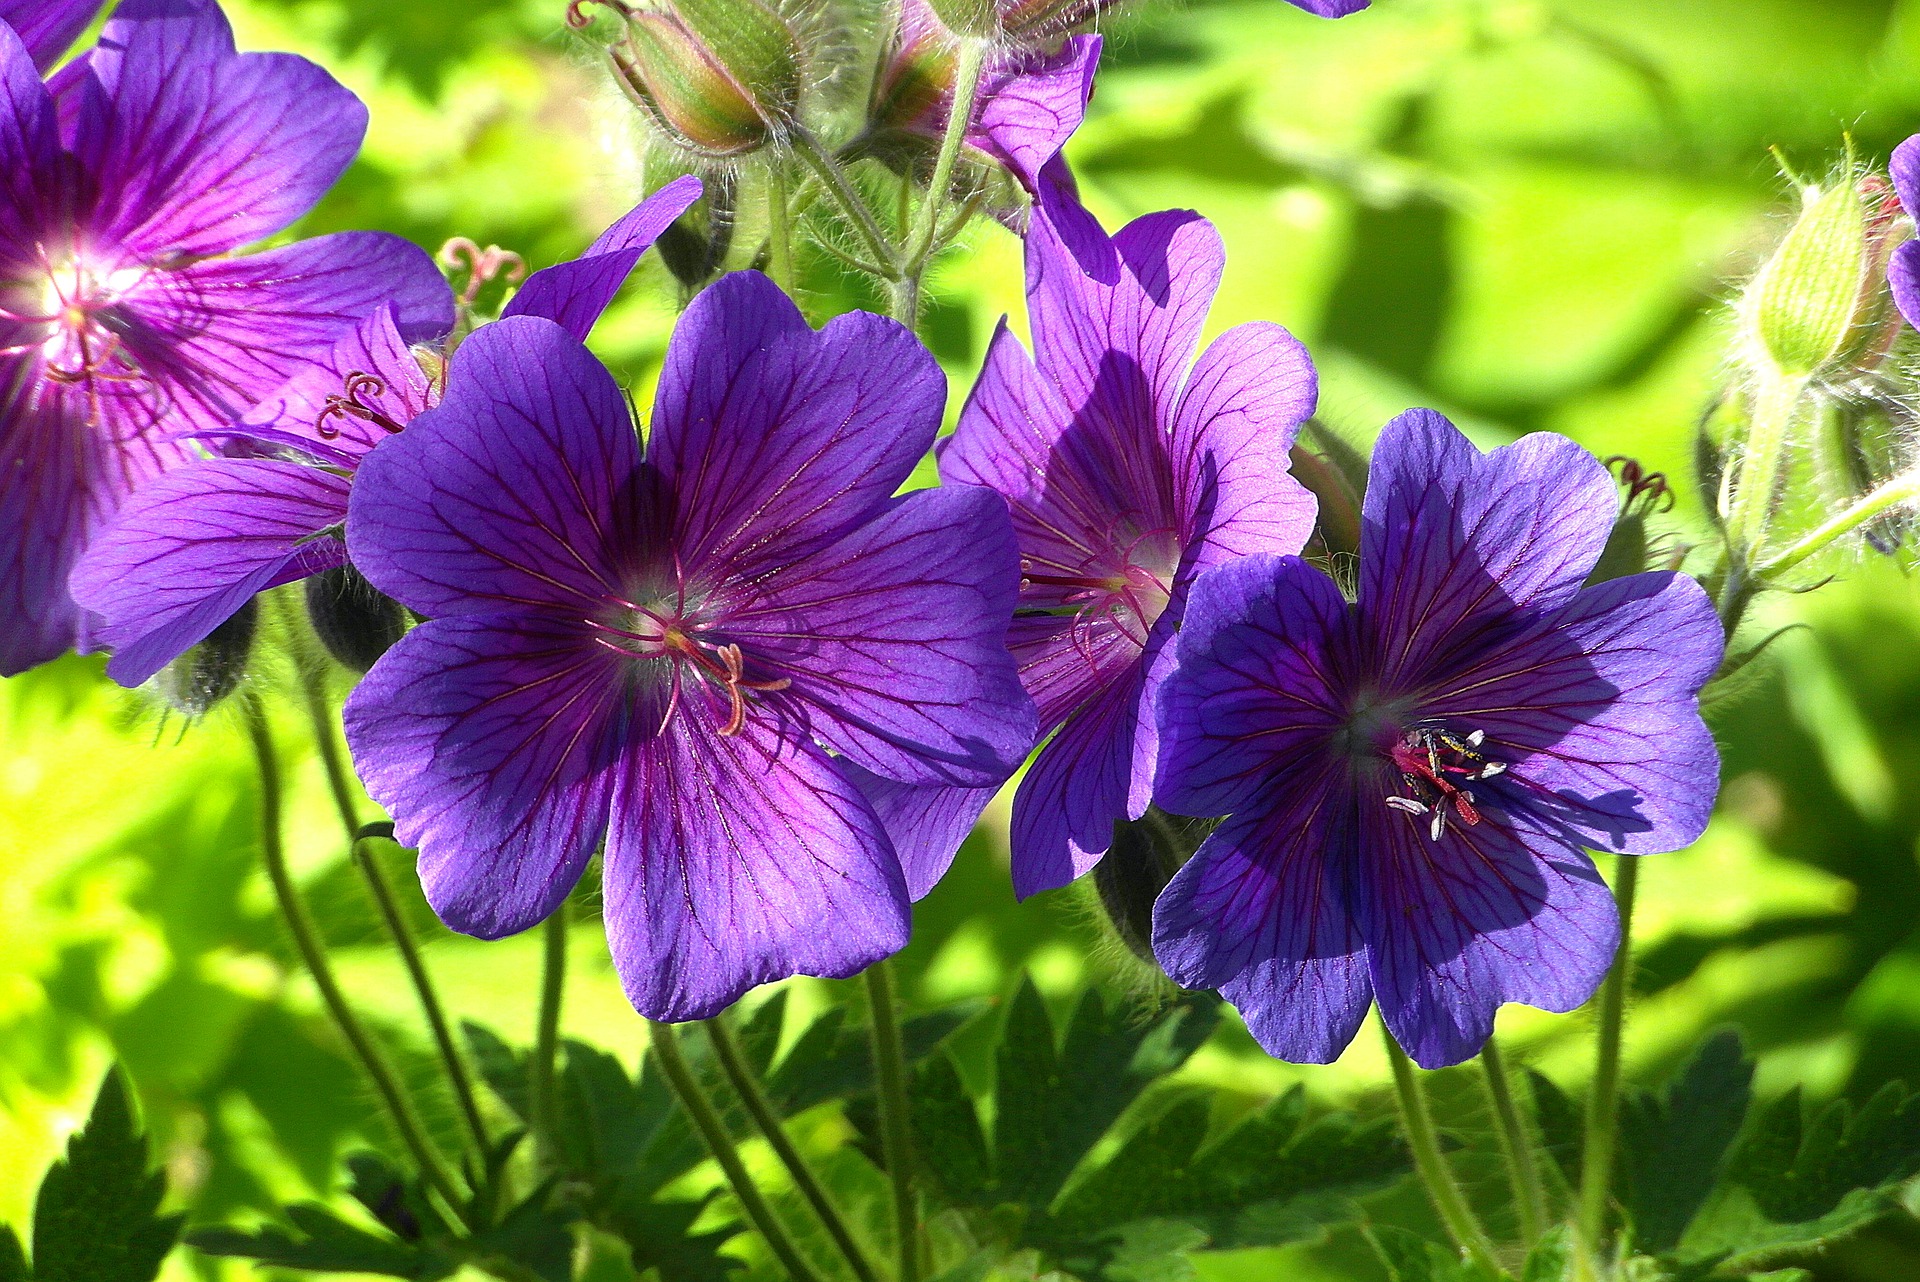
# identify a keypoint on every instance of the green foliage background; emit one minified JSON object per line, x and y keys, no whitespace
{"x":1523,"y":212}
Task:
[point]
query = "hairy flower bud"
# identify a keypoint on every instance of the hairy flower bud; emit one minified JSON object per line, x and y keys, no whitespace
{"x":203,"y":676}
{"x":1819,"y":307}
{"x":721,"y":78}
{"x":353,"y":619}
{"x":911,"y":88}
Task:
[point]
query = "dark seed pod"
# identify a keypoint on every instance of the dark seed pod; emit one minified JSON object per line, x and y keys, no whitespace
{"x":203,"y":676}
{"x":1145,"y":854}
{"x":352,"y":618}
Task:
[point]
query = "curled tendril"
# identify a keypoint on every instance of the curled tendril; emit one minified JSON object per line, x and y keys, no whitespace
{"x":346,"y":403}
{"x":577,"y":16}
{"x":480,"y":265}
{"x":1640,"y":483}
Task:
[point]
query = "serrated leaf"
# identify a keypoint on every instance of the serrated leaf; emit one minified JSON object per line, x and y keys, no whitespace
{"x":1799,"y":1169}
{"x":658,"y":1236}
{"x":1672,"y":1145}
{"x":948,"y":1138}
{"x":96,"y":1217}
{"x":502,"y":1068}
{"x":831,"y":1060}
{"x":535,"y":1235}
{"x":1411,"y":1258}
{"x":325,"y":1243}
{"x":1056,"y":1104}
{"x":1558,"y":1118}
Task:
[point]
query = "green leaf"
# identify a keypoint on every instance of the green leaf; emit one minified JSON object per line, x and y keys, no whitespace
{"x":1411,"y":1258}
{"x":13,"y":1257}
{"x":948,"y":1137}
{"x":830,"y":1060}
{"x":659,"y":1236}
{"x":400,"y":1207}
{"x":1056,"y":1104}
{"x":1672,"y":1144}
{"x":96,"y":1218}
{"x":502,"y":1067}
{"x":1551,"y":1259}
{"x":535,"y":1234}
{"x":1560,"y":1128}
{"x":325,"y":1243}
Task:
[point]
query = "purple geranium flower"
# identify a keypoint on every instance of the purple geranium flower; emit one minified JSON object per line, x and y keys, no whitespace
{"x":684,"y":653}
{"x":1412,"y":779}
{"x":123,"y":321}
{"x":1130,"y":468}
{"x":1903,"y":271}
{"x":48,"y":28}
{"x":194,"y":545}
{"x":1331,"y":8}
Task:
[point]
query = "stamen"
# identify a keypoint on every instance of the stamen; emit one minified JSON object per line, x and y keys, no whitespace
{"x":1430,"y":762}
{"x":482,"y":265}
{"x":347,"y":404}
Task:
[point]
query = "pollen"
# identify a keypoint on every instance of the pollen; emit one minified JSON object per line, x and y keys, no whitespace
{"x":1435,"y":766}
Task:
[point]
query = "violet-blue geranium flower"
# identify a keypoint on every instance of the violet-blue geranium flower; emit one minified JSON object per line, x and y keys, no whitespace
{"x":1903,"y":270}
{"x":196,"y":543}
{"x":48,"y":28}
{"x":124,"y":320}
{"x":683,"y":652}
{"x":1412,"y":779}
{"x":1331,"y":8}
{"x":1130,"y":467}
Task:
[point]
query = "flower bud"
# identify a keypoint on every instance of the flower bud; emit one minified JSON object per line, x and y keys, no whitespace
{"x":203,"y":676}
{"x":694,"y":246}
{"x":911,"y":89}
{"x":1820,"y":307}
{"x":721,"y":78}
{"x":354,"y":620}
{"x":1145,"y":854}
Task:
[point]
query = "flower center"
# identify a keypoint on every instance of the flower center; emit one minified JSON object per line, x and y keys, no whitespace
{"x":1435,"y":766}
{"x":1129,"y":587}
{"x":660,"y":629}
{"x":67,"y":310}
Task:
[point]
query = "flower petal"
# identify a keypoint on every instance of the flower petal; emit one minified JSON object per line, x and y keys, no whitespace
{"x":196,"y":149}
{"x":1253,"y":698}
{"x":222,"y":335}
{"x":29,"y":147}
{"x":895,"y":638}
{"x":1903,"y":272}
{"x":575,"y":293}
{"x":1452,"y":540}
{"x":194,"y":545}
{"x":736,"y":861}
{"x":1595,"y":710}
{"x":1259,"y":913}
{"x":298,"y":412}
{"x":776,"y":439}
{"x":490,"y":742}
{"x":1079,"y":785}
{"x":48,"y":28}
{"x":49,"y":502}
{"x":1030,"y":104}
{"x":1459,"y":926}
{"x":1117,"y":351}
{"x":926,"y":823}
{"x":1239,"y":412}
{"x":1331,"y":8}
{"x":514,"y":492}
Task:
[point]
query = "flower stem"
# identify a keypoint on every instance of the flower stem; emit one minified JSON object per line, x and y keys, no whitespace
{"x":779,"y":228}
{"x":673,"y":1065}
{"x":851,"y":203}
{"x":546,"y":1044}
{"x":1603,"y":1103}
{"x":1529,"y":1195}
{"x":1899,"y":490}
{"x":1749,"y":506}
{"x":1462,"y":1226}
{"x":320,"y":710}
{"x":896,"y":1134}
{"x":747,"y":1086}
{"x":923,"y":240}
{"x":313,"y":952}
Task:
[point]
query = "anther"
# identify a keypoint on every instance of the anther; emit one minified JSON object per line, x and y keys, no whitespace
{"x":347,"y":404}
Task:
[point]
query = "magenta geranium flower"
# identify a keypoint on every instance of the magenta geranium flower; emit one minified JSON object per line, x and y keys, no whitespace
{"x":1130,"y":467}
{"x":683,"y":650}
{"x":1413,"y":779}
{"x":194,"y":545}
{"x":124,"y":321}
{"x":48,"y":28}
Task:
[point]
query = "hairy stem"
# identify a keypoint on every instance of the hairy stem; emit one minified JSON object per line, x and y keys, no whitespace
{"x":706,"y":1119}
{"x":313,"y":952}
{"x":896,"y":1134}
{"x":779,"y":228}
{"x":1603,"y":1103}
{"x":1894,"y":493}
{"x":320,"y":712}
{"x":1529,"y":1194}
{"x":1748,"y":505}
{"x":850,"y":202}
{"x":1443,"y":1190}
{"x":546,"y":1044}
{"x":747,"y":1086}
{"x":924,"y":237}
